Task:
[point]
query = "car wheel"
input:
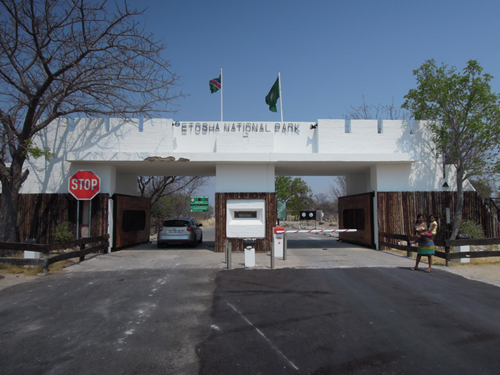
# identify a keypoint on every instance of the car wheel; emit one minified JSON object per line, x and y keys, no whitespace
{"x":201,"y":239}
{"x":159,"y":245}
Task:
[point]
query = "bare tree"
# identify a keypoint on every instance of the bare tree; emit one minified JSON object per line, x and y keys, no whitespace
{"x":324,"y":203}
{"x":155,"y":187}
{"x":338,"y":188}
{"x":379,"y":112}
{"x":170,"y":195}
{"x":63,"y":57}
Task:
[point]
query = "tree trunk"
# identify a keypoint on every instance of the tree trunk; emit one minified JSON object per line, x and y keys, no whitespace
{"x":8,"y":212}
{"x":457,"y":219}
{"x":12,"y":179}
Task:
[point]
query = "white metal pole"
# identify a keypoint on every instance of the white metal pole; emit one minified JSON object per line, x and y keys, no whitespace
{"x":281,"y":96}
{"x":221,"y":100}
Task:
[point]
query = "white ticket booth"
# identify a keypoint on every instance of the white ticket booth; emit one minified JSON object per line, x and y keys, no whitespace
{"x":246,"y":219}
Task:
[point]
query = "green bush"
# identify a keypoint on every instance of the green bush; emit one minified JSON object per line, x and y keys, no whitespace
{"x":65,"y":232}
{"x":475,"y":231}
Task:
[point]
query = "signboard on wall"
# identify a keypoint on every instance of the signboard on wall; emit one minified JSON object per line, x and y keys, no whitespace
{"x":307,"y":215}
{"x":199,"y":204}
{"x":281,"y":210}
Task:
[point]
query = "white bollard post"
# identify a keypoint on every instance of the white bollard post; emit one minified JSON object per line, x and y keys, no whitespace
{"x":31,"y":254}
{"x":278,"y":241}
{"x":250,"y":256}
{"x":278,"y":244}
{"x":460,"y":249}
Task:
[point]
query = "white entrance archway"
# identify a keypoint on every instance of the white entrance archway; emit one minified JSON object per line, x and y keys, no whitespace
{"x":244,"y":157}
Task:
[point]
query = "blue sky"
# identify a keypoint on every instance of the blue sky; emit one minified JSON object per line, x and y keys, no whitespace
{"x":330,"y":53}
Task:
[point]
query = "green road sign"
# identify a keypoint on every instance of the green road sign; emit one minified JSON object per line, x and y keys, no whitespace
{"x":281,"y":210}
{"x":199,"y":204}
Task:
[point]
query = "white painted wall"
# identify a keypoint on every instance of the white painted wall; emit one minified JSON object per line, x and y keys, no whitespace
{"x":357,"y":183}
{"x":195,"y":135}
{"x":236,"y":143}
{"x":364,"y":137}
{"x":126,"y":184}
{"x":424,"y":174}
{"x":247,"y":178}
{"x":248,"y":137}
{"x":245,"y":156}
{"x":295,"y":138}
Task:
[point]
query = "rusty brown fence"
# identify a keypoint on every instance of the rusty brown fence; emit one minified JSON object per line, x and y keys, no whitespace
{"x":403,"y":242}
{"x":40,"y":214}
{"x":397,"y":211}
{"x":51,"y":253}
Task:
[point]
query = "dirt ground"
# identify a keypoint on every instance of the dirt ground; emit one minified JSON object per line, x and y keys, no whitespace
{"x":484,"y":272}
{"x":7,"y":279}
{"x":488,"y":273}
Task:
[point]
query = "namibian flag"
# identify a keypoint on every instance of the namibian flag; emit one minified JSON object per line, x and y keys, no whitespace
{"x":215,"y":85}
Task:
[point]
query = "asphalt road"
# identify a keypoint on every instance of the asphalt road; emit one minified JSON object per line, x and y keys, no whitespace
{"x":178,"y":311}
{"x":114,"y":322}
{"x":352,"y":321}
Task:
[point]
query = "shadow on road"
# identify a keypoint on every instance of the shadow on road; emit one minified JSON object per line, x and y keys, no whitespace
{"x":206,"y":245}
{"x":351,"y":321}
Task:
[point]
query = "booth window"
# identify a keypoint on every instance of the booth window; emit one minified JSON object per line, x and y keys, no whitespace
{"x":245,"y":214}
{"x":354,"y":219}
{"x":133,"y":220}
{"x":175,"y":223}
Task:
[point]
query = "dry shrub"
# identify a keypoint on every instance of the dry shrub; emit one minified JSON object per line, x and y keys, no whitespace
{"x":208,"y":222}
{"x":33,"y":271}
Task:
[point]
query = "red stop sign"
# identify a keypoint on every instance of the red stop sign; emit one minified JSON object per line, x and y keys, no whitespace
{"x":84,"y":185}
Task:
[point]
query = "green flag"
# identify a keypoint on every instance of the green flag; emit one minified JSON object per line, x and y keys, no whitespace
{"x":273,"y":96}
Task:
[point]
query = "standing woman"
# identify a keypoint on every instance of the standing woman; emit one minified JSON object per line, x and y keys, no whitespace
{"x":424,"y":239}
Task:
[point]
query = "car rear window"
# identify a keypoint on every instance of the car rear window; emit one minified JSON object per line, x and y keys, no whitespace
{"x":175,"y":223}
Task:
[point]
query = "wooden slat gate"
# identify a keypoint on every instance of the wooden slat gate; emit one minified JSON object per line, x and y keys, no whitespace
{"x":356,"y":212}
{"x":40,"y":214}
{"x":397,"y":211}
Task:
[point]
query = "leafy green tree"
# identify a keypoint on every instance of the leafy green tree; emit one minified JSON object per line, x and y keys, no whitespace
{"x":464,"y":117}
{"x":295,"y":192}
{"x":483,"y":187}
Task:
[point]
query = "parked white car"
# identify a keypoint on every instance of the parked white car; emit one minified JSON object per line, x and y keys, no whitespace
{"x":180,"y":230}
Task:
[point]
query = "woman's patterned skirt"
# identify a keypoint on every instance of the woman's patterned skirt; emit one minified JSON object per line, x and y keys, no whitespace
{"x":426,"y":248}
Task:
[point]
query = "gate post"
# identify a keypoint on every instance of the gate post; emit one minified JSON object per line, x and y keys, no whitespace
{"x":229,"y":250}
{"x":285,"y":246}
{"x":408,"y":246}
{"x":272,"y":256}
{"x":447,"y":254}
{"x":46,"y":263}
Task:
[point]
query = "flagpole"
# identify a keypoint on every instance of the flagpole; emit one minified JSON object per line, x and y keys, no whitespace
{"x":221,"y":101}
{"x":281,"y":96}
